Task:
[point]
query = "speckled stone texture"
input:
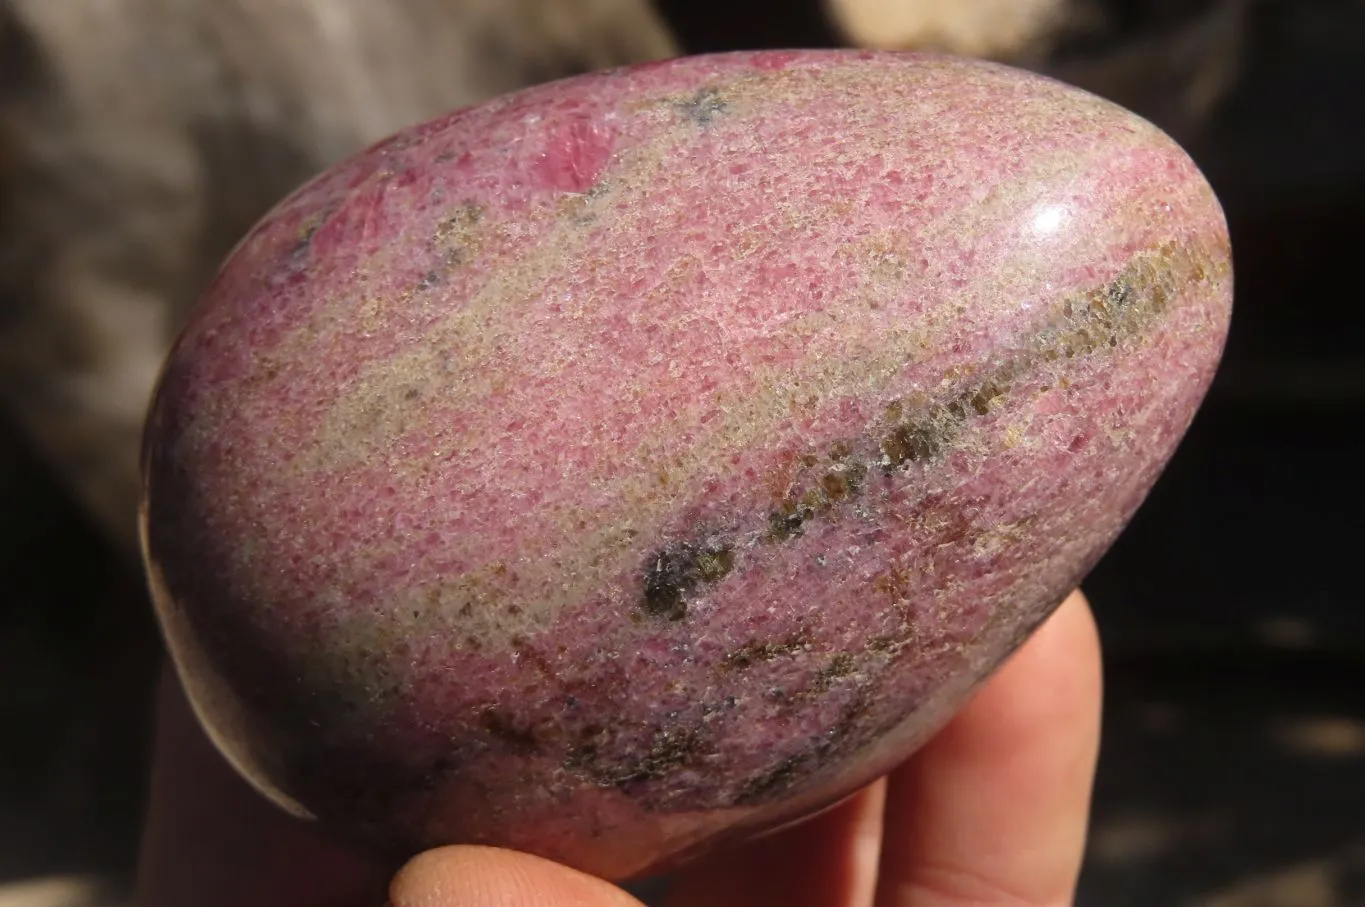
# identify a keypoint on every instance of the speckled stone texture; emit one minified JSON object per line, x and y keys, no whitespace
{"x":656,"y":456}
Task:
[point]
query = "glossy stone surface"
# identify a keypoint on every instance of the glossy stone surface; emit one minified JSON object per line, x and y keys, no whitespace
{"x":652,"y":457}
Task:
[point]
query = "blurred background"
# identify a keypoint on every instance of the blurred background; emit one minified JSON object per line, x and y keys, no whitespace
{"x":1233,"y":769}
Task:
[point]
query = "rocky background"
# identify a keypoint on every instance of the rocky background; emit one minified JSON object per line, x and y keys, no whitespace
{"x":1233,"y":772}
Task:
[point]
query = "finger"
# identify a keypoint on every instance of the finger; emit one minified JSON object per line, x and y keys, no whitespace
{"x":829,"y":861}
{"x":993,"y":811}
{"x":490,"y":877}
{"x":212,"y":841}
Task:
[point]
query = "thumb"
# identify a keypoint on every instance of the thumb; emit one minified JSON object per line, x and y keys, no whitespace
{"x":489,"y":877}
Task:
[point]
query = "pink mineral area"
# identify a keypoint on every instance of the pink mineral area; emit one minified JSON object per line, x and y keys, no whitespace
{"x":666,"y":452}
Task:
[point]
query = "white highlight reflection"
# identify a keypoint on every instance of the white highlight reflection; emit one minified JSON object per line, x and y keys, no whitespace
{"x":1049,"y":219}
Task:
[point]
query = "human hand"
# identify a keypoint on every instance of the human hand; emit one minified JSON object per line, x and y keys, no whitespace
{"x":991,"y":813}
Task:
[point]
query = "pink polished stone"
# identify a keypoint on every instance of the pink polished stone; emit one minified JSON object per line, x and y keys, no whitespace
{"x":659,"y":455}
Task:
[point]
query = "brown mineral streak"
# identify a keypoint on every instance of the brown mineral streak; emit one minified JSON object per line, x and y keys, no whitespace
{"x":755,"y":652}
{"x":363,"y":426}
{"x":1083,"y":325}
{"x":1080,"y":325}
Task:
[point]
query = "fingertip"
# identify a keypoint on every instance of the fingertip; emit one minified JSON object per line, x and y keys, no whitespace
{"x":995,"y":808}
{"x":829,"y":859}
{"x":1052,"y":685}
{"x":1071,"y":629}
{"x":469,"y":876}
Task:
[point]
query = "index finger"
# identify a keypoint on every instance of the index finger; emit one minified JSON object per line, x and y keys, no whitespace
{"x":993,"y":811}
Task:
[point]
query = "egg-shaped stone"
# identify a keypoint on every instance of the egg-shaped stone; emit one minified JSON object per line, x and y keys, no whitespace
{"x":653,"y":457}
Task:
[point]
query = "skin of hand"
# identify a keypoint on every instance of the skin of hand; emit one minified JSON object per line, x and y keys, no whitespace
{"x":992,"y":812}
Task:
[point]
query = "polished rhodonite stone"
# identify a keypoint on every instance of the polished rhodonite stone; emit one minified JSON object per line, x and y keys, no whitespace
{"x":659,"y":455}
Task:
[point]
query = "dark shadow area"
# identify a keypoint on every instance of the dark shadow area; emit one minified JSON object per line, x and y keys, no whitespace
{"x":78,"y":653}
{"x":1231,"y":778}
{"x":1233,"y":771}
{"x":716,"y":26}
